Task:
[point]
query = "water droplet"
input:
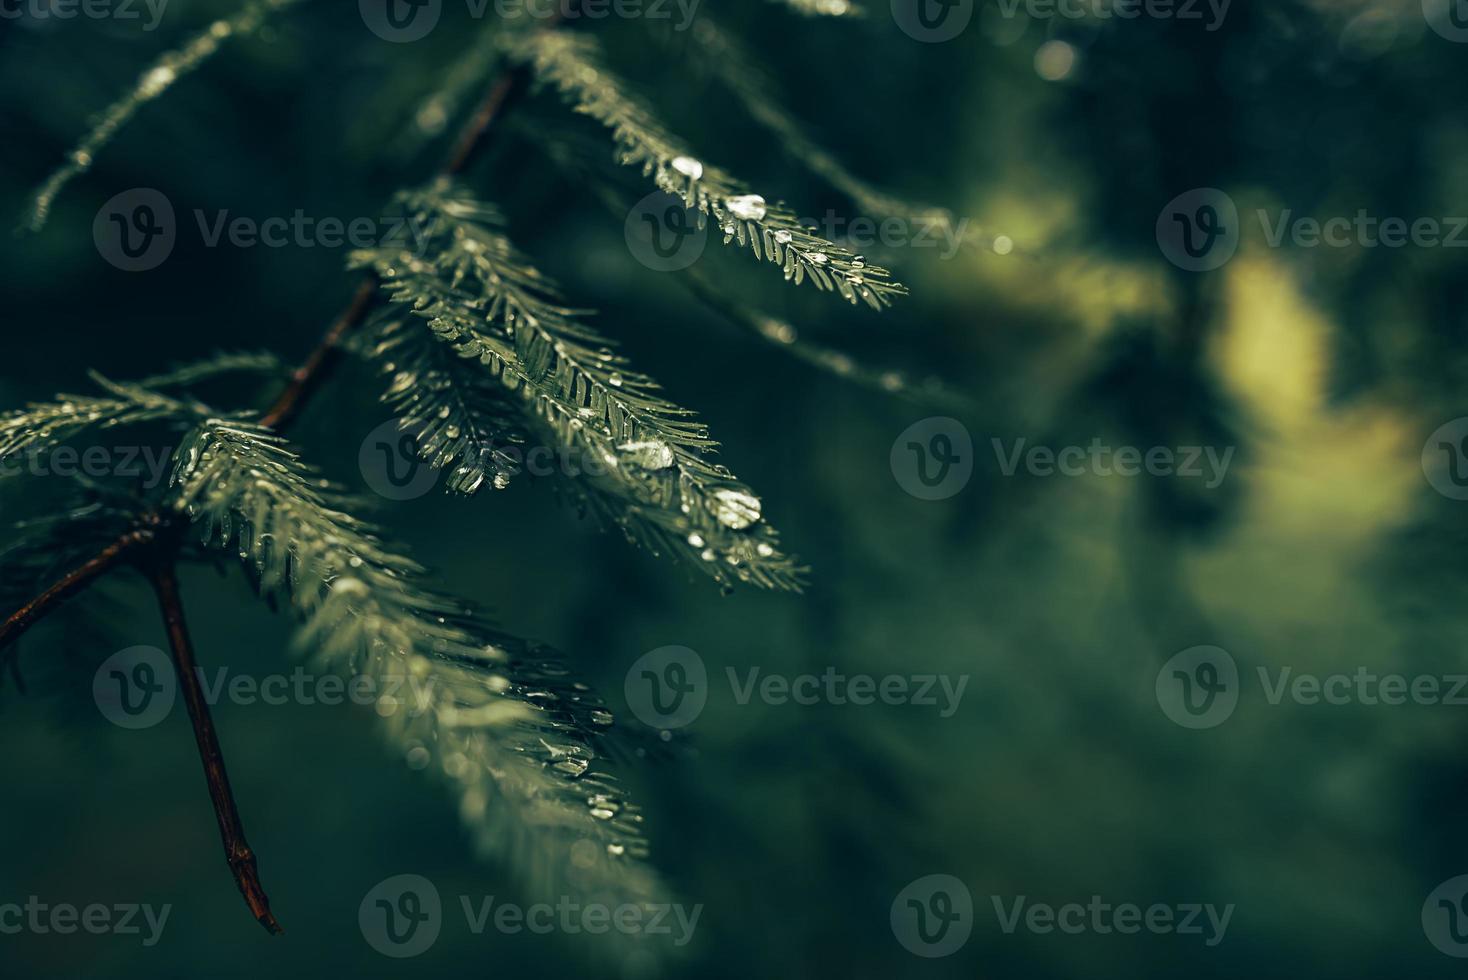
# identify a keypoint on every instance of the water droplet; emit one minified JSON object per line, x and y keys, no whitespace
{"x":747,"y":207}
{"x":735,"y":508}
{"x":696,"y":540}
{"x":783,"y":237}
{"x":156,"y":81}
{"x":615,"y":381}
{"x":818,"y":258}
{"x":688,"y":167}
{"x":764,"y":550}
{"x":650,"y":454}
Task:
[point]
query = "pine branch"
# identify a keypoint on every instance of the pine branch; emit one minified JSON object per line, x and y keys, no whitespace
{"x":657,"y":481}
{"x":518,"y":751}
{"x":573,"y":65}
{"x":460,"y":419}
{"x":46,"y":424}
{"x":567,"y":151}
{"x":159,"y":77}
{"x":723,"y":54}
{"x":225,"y":362}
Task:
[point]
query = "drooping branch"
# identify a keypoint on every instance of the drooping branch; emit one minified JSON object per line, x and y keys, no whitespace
{"x":236,"y":848}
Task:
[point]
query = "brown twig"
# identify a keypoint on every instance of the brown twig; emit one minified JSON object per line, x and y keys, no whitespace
{"x":75,"y":581}
{"x":506,"y":86}
{"x":309,"y":376}
{"x":236,"y":849}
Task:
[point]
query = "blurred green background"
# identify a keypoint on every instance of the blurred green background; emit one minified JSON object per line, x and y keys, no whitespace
{"x":1059,"y":778}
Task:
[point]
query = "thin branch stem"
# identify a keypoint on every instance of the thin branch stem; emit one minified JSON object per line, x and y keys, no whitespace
{"x":309,"y":376}
{"x":236,"y":849}
{"x":510,"y":83}
{"x":72,"y":583}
